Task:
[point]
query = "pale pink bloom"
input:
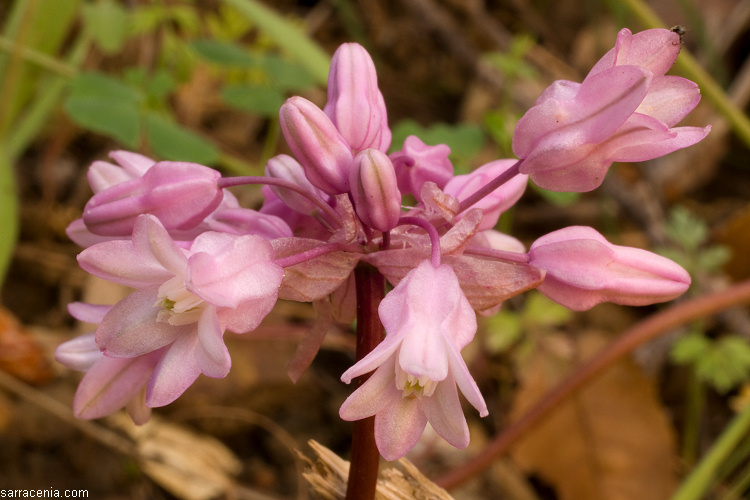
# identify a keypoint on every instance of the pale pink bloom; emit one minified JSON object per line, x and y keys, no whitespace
{"x":499,"y":200}
{"x":374,"y":190}
{"x":625,"y":110}
{"x":184,"y":300}
{"x":428,"y":321}
{"x":584,"y":269}
{"x":317,"y":144}
{"x":110,"y":383}
{"x":418,"y":163}
{"x":355,"y":104}
{"x":180,"y":194}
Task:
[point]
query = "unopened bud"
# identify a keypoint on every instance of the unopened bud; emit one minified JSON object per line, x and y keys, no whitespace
{"x":377,"y":199}
{"x":584,"y":269}
{"x":179,"y":194}
{"x":323,"y":152}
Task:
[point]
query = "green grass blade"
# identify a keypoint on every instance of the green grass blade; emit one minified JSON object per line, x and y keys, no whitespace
{"x":288,"y":36}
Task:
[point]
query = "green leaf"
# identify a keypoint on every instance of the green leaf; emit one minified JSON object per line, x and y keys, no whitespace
{"x":98,"y":85}
{"x":714,"y":257}
{"x":685,"y":229}
{"x":108,"y":23}
{"x":115,"y":119}
{"x":254,"y":98}
{"x":104,"y":105}
{"x":287,"y":75}
{"x":173,"y":142}
{"x":228,"y":54}
{"x":288,"y":36}
{"x":690,"y":348}
{"x":557,"y":198}
{"x":503,"y":330}
{"x":541,"y":311}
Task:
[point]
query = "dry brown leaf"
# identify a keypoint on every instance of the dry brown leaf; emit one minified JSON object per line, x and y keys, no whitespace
{"x":20,"y":355}
{"x":191,"y":466}
{"x":611,"y":441}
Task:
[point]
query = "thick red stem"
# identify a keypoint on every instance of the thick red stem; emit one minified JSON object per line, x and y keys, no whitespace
{"x":365,"y":458}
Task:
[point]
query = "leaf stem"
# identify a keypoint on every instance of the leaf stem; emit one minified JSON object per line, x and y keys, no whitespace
{"x":489,"y":187}
{"x":365,"y":458}
{"x":640,"y":333}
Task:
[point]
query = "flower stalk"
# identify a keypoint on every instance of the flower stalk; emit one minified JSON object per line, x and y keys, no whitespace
{"x":365,"y":458}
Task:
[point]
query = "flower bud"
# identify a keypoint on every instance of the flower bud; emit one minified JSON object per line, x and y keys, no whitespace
{"x":180,"y":194}
{"x":323,"y":152}
{"x":584,"y":269}
{"x":377,"y":199}
{"x":287,"y":168}
{"x":355,"y":104}
{"x":499,"y":200}
{"x":102,"y":174}
{"x":418,"y":163}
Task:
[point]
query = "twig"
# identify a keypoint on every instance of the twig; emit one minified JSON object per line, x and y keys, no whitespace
{"x":642,"y":332}
{"x":64,"y":413}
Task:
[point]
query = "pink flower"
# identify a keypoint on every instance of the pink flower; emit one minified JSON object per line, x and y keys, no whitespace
{"x":316,"y":143}
{"x":427,"y":320}
{"x":102,"y":175}
{"x":180,"y":194}
{"x":110,"y":383}
{"x":418,"y":163}
{"x":625,"y":110}
{"x":184,"y":300}
{"x":355,"y":104}
{"x":584,"y":269}
{"x":377,"y":199}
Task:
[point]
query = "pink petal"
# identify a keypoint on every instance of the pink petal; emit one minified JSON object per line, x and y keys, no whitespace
{"x":130,"y":329}
{"x":383,"y":353}
{"x":176,"y":371}
{"x":80,"y":353}
{"x":443,"y":411}
{"x":655,"y":50}
{"x":371,"y":397}
{"x":670,"y":99}
{"x":466,"y":382}
{"x":398,"y":427}
{"x":211,"y":353}
{"x":226,"y":270}
{"x":110,"y":384}
{"x":88,"y":313}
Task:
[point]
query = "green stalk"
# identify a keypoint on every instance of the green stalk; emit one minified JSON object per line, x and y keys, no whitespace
{"x":691,"y":427}
{"x":690,"y":68}
{"x":40,"y":59}
{"x":8,"y":213}
{"x":13,"y":75}
{"x":700,"y":479}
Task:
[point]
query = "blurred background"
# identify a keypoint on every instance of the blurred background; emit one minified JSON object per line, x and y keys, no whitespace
{"x":202,"y":81}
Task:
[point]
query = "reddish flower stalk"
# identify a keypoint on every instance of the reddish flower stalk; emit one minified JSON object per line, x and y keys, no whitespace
{"x":365,"y":458}
{"x":642,"y":332}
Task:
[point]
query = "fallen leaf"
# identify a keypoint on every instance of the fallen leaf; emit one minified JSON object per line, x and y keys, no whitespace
{"x":612,"y":440}
{"x":20,"y":355}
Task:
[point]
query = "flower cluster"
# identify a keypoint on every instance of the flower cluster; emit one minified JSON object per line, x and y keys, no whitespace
{"x":201,"y":265}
